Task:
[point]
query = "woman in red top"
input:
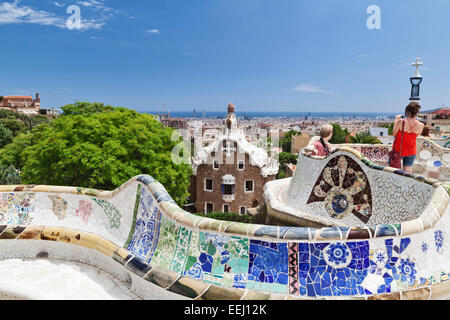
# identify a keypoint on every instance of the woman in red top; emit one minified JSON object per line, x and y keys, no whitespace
{"x":412,"y":128}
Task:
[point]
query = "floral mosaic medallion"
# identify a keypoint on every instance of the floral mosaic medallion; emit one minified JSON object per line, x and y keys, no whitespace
{"x":111,"y":211}
{"x":84,"y":210}
{"x":337,"y":255}
{"x":146,"y":232}
{"x":59,"y":206}
{"x":344,"y":189}
{"x":15,"y":208}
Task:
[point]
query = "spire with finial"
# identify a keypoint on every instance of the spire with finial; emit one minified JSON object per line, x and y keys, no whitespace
{"x":417,"y":64}
{"x":230,"y":107}
{"x":416,"y":80}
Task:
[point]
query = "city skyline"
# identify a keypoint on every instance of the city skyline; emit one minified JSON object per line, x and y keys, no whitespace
{"x":295,"y":56}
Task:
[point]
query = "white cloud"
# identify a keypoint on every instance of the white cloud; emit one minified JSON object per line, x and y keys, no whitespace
{"x":306,"y":87}
{"x":58,"y":4}
{"x":153,"y":31}
{"x":15,"y":13}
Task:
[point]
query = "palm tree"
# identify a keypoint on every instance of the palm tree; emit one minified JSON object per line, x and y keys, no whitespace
{"x":364,"y":138}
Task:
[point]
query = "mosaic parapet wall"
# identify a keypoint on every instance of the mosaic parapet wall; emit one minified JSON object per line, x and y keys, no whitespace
{"x":432,"y":161}
{"x":443,"y":142}
{"x":346,"y":189}
{"x":140,"y":227}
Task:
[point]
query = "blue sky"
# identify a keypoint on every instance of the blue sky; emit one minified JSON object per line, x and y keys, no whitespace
{"x":262,"y":55}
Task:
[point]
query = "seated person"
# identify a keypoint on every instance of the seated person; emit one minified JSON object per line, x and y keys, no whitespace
{"x":426,"y":132}
{"x":319,"y":146}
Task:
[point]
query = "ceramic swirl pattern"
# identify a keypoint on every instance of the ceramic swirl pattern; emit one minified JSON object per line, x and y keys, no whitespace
{"x":344,"y":189}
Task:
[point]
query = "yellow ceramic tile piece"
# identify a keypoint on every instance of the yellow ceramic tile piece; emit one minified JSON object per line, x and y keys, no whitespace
{"x":40,"y":188}
{"x":7,"y":188}
{"x":52,"y":233}
{"x":121,"y":252}
{"x":416,"y":294}
{"x":31,"y":232}
{"x":106,"y":247}
{"x":70,"y":236}
{"x":60,"y":189}
{"x":12,"y":232}
{"x":411,"y":227}
{"x":221,"y":293}
{"x":440,"y":291}
{"x":89,"y":240}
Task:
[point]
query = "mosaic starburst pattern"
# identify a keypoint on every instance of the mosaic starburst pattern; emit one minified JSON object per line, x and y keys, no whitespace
{"x":343,"y":188}
{"x":337,"y":255}
{"x":407,"y":269}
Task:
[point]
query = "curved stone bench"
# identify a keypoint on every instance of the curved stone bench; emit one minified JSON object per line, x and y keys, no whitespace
{"x":432,"y":161}
{"x":139,"y":234}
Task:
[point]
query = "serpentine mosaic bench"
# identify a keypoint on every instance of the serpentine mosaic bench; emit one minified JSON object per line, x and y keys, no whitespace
{"x":433,"y":160}
{"x":139,"y":234}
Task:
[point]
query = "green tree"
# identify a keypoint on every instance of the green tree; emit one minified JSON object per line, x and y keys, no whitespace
{"x":8,"y":114}
{"x":285,"y":142}
{"x":284,"y":158}
{"x":364,"y":138}
{"x":9,"y":175}
{"x":14,"y":125}
{"x":1,"y":99}
{"x":338,"y":134}
{"x":98,"y":150}
{"x":84,"y":107}
{"x":38,"y":120}
{"x":6,"y":136}
{"x":390,"y":128}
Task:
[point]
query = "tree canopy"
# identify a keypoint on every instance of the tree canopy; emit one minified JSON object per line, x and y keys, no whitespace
{"x":338,"y":134}
{"x":6,"y":136}
{"x":364,"y":138}
{"x":83,"y":107}
{"x":285,"y":142}
{"x":98,"y":148}
{"x":390,"y":127}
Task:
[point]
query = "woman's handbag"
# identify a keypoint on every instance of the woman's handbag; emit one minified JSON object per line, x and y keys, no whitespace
{"x":395,"y":157}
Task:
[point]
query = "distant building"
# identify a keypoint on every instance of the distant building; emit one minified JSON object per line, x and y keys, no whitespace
{"x":50,"y":113}
{"x":229,"y":174}
{"x":438,"y":120}
{"x":378,"y":132}
{"x":176,"y":123}
{"x":299,"y":142}
{"x":22,"y":104}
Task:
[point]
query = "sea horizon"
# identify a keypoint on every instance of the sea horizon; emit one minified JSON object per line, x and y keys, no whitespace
{"x":275,"y":114}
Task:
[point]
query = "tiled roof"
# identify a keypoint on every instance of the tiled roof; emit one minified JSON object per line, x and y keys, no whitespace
{"x":18,"y":97}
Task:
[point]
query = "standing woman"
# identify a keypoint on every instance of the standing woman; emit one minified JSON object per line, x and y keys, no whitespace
{"x":412,"y":128}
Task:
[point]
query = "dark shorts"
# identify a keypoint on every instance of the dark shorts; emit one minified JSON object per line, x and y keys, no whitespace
{"x":408,"y":161}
